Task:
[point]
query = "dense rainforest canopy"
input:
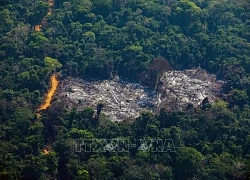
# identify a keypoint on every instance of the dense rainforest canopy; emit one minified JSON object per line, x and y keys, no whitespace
{"x":104,"y":38}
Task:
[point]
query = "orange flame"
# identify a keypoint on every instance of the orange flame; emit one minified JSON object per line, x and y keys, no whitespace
{"x":46,"y":152}
{"x":52,"y":91}
{"x":38,"y":28}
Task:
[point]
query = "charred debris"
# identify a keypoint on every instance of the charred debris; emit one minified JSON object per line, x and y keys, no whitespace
{"x":119,"y":100}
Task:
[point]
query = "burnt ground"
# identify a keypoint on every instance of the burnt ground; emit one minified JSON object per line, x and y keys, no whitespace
{"x":124,"y":101}
{"x":190,"y":87}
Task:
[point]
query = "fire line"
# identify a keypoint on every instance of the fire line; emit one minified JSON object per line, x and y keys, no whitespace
{"x":51,"y":92}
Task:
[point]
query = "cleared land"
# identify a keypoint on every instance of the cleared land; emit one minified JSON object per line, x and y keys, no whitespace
{"x":125,"y":101}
